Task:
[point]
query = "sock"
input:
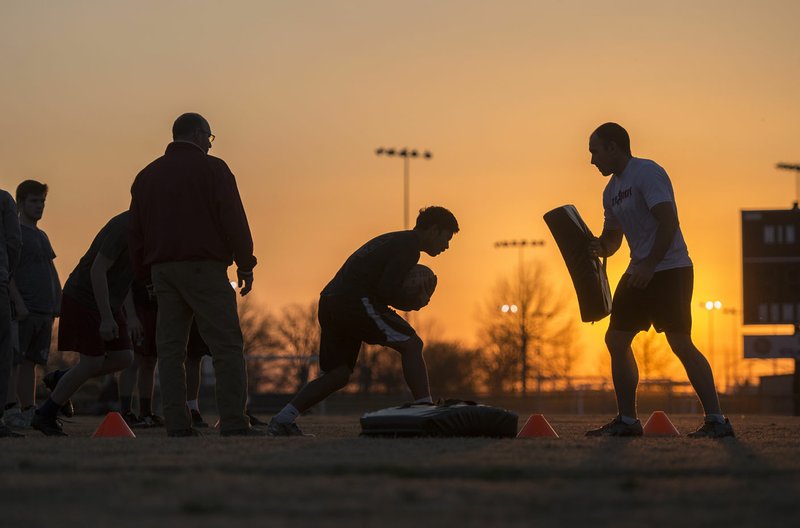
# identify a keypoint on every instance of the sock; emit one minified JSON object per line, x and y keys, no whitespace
{"x":193,"y":405}
{"x":627,"y":420}
{"x":426,"y":399}
{"x":719,"y":418}
{"x":288,"y":414}
{"x":125,"y":404}
{"x":145,"y":406}
{"x":49,"y":408}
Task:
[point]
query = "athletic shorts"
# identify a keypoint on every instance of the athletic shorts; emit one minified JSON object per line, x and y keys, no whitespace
{"x":347,"y":322}
{"x":79,"y":330}
{"x":666,"y":303}
{"x":34,"y":334}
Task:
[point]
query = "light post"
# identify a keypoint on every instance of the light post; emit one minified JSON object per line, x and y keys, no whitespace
{"x":406,"y":154}
{"x":711,"y":306}
{"x":732,"y":369}
{"x":523,"y":308}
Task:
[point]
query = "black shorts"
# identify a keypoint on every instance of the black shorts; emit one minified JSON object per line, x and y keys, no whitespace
{"x":347,"y":322}
{"x":666,"y":303}
{"x":34,"y":333}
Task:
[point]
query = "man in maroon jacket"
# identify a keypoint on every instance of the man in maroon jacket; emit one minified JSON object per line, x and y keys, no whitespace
{"x":187,"y":226}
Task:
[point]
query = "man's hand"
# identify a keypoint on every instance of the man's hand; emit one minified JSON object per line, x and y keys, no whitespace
{"x":245,"y":281}
{"x":641,"y":275}
{"x":21,"y":310}
{"x":596,"y":249}
{"x":136,"y":330}
{"x":109,"y":330}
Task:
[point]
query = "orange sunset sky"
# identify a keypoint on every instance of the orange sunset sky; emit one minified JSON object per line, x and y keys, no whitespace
{"x":505,"y":95}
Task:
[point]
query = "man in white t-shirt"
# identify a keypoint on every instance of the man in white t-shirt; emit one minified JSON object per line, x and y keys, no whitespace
{"x":656,"y":289}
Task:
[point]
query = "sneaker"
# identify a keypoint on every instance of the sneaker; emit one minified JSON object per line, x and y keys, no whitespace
{"x":182,"y":433}
{"x":254,"y":421}
{"x":7,"y":432}
{"x":713,"y":430}
{"x":197,"y":419}
{"x":50,"y":381}
{"x":248,"y":431}
{"x":20,"y":419}
{"x":284,"y":429}
{"x":49,"y":425}
{"x":152,"y":420}
{"x":133,"y":421}
{"x":617,"y":427}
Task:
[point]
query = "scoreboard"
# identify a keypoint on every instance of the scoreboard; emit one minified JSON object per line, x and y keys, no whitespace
{"x":771,"y":266}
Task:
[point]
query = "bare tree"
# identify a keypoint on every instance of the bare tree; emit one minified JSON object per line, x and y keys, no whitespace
{"x":294,"y":338}
{"x":527,"y":331}
{"x":653,"y":356}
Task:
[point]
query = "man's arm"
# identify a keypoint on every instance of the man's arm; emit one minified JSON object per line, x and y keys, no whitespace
{"x":606,"y":244}
{"x":13,"y":235}
{"x":665,"y":234}
{"x":56,"y":287}
{"x":235,"y":227}
{"x":135,"y":326}
{"x":108,"y":326}
{"x":20,"y":309}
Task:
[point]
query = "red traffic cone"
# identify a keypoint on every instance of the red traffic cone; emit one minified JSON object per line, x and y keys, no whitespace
{"x":537,"y":425}
{"x":659,"y":425}
{"x":113,"y":426}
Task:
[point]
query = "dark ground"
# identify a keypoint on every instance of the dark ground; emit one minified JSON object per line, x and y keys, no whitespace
{"x":339,"y":479}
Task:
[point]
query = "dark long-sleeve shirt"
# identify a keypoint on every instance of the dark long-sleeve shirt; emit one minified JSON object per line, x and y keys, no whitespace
{"x":186,"y":206}
{"x":378,"y":268}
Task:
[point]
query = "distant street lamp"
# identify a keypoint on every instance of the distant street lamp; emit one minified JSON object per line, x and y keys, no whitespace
{"x":406,"y":154}
{"x":523,"y":308}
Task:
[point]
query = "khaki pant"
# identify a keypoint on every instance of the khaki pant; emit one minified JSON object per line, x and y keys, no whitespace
{"x":201,"y":290}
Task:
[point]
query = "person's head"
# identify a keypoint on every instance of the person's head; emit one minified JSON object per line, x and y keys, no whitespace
{"x":193,"y":128}
{"x":610,"y":147}
{"x":435,"y":226}
{"x":30,"y":200}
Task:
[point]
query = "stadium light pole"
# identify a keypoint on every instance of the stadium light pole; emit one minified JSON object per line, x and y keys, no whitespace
{"x":523,"y":309}
{"x":711,"y":306}
{"x":406,"y":154}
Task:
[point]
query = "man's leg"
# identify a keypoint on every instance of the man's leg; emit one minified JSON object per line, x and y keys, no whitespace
{"x":624,"y":371}
{"x":415,"y":371}
{"x":89,"y":367}
{"x":697,"y":369}
{"x":147,"y":371}
{"x":206,"y":289}
{"x":172,"y":333}
{"x":320,"y":388}
{"x":125,"y":383}
{"x":6,"y":354}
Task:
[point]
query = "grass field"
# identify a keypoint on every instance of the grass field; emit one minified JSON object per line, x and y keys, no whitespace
{"x":339,"y":479}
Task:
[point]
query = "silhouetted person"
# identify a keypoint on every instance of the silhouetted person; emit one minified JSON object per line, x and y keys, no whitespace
{"x":93,"y":321}
{"x":354,"y":308}
{"x":10,"y":246}
{"x":188,"y":225}
{"x":656,"y":289}
{"x":36,"y":294}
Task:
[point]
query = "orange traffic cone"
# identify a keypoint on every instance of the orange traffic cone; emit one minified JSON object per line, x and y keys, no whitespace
{"x":537,"y":425}
{"x":113,"y":425}
{"x":659,"y":425}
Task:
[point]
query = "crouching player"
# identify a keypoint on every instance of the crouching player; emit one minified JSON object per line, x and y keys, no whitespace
{"x":354,"y":308}
{"x":93,"y":320}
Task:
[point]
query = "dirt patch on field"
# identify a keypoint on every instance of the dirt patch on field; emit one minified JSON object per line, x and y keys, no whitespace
{"x":338,"y":478}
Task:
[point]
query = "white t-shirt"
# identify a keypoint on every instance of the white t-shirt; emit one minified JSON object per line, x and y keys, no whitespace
{"x":627,"y":200}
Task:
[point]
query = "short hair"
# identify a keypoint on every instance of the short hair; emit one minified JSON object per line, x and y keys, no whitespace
{"x":30,"y":187}
{"x":614,"y":133}
{"x":187,"y":124}
{"x":436,"y":216}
